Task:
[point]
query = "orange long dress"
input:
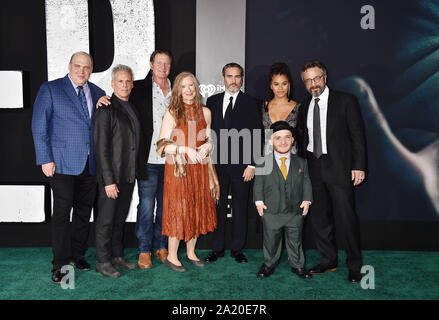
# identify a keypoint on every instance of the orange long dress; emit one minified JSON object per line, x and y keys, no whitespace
{"x":188,"y":208}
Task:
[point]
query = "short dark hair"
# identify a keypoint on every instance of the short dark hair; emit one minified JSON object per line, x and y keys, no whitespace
{"x":313,"y":64}
{"x":282,"y":125}
{"x":160,"y":51}
{"x":232,"y":65}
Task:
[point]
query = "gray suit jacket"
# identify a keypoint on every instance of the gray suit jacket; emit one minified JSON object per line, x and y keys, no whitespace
{"x":297,"y":185}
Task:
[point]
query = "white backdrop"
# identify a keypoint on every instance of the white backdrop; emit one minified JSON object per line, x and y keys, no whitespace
{"x":11,"y":89}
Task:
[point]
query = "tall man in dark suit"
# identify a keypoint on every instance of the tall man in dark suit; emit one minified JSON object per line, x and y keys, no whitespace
{"x":63,"y":135}
{"x":233,"y":109}
{"x":331,"y":131}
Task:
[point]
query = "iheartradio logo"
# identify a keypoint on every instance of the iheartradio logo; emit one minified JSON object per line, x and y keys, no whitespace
{"x":206,"y":90}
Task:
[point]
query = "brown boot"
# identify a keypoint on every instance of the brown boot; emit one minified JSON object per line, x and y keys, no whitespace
{"x":162,"y":254}
{"x":145,"y":260}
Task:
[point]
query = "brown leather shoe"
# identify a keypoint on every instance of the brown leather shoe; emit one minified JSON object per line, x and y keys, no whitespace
{"x":145,"y":260}
{"x":162,"y":254}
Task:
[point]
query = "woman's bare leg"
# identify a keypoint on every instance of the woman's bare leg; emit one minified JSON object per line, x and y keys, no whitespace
{"x":173,"y":243}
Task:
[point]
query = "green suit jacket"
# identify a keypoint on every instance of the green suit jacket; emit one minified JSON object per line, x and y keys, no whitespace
{"x":269,"y":181}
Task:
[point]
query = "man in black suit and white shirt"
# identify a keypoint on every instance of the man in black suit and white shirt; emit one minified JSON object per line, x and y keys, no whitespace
{"x":332,"y":134}
{"x":233,"y":109}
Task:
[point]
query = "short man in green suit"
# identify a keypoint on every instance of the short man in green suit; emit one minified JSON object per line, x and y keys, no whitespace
{"x":282,"y":194}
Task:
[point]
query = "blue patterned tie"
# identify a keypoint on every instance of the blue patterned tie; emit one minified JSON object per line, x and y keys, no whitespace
{"x":91,"y":159}
{"x":83,"y":100}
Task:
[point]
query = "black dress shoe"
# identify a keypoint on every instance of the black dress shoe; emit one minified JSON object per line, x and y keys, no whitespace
{"x":120,"y":262}
{"x":319,"y":269}
{"x":107,"y":270}
{"x":57,"y":276}
{"x":354,"y":276}
{"x":239,"y":257}
{"x":214,"y":255}
{"x":81,"y":264}
{"x":302,"y":273}
{"x":265,"y":272}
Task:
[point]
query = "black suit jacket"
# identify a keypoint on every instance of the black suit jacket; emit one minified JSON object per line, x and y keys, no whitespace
{"x":345,"y":137}
{"x":115,"y":145}
{"x":246,"y":114}
{"x":141,"y":98}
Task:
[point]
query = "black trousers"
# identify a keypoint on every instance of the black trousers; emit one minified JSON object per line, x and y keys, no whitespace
{"x":69,"y":240}
{"x":110,"y":222}
{"x":333,"y":204}
{"x":240,"y":193}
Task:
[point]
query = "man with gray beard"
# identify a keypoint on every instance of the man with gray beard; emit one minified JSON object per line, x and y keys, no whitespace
{"x":331,"y":133}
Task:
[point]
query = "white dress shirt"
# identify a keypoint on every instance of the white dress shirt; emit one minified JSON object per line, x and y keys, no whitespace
{"x":87,"y":94}
{"x":323,"y":105}
{"x":226,"y":100}
{"x":159,"y":105}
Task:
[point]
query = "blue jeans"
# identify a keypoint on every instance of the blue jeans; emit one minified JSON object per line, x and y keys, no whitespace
{"x":148,"y":231}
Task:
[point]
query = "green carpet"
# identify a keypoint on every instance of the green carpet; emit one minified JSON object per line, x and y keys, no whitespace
{"x":25,"y":274}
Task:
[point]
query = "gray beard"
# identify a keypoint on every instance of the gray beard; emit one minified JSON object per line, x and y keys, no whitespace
{"x":233,"y":91}
{"x":317,"y":94}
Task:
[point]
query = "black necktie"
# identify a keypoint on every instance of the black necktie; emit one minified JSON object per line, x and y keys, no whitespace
{"x":317,"y":135}
{"x":228,"y":114}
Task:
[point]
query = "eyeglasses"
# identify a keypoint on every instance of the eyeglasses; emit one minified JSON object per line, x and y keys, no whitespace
{"x":316,"y":79}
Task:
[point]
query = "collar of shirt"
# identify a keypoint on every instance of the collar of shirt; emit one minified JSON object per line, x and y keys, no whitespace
{"x":156,"y":86}
{"x":87,"y":93}
{"x":85,"y":86}
{"x":278,"y":155}
{"x":227,"y":96}
{"x":226,"y":100}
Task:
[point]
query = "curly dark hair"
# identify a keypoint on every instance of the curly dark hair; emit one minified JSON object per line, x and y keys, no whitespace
{"x":278,"y":68}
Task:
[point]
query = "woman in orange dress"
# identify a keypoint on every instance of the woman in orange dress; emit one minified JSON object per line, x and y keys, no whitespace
{"x":188,"y":206}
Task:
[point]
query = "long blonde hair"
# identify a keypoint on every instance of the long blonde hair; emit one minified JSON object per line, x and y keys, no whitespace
{"x":176,"y":106}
